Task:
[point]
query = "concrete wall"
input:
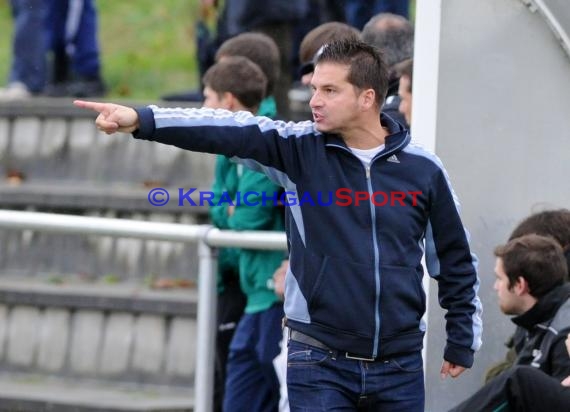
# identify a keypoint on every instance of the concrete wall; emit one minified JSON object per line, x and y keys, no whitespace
{"x":502,"y":129}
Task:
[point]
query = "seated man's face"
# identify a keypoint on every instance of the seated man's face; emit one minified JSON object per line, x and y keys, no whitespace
{"x":509,"y":301}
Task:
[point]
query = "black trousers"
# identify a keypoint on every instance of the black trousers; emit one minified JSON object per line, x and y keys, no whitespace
{"x":231,"y":304}
{"x":519,"y":389}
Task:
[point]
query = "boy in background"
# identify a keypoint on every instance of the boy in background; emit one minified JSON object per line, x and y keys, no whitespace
{"x":237,"y":84}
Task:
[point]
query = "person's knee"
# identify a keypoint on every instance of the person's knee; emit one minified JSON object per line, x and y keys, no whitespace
{"x":522,"y":376}
{"x":524,"y":372}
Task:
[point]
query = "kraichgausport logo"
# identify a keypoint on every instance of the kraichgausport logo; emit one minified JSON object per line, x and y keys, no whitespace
{"x":341,"y":197}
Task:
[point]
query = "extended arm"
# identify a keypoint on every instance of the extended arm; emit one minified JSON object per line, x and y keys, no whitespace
{"x":273,"y":145}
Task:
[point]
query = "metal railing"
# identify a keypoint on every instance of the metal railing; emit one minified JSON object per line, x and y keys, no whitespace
{"x":547,"y":9}
{"x":207,"y":237}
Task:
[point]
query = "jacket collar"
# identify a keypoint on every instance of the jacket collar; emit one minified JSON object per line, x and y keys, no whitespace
{"x":398,"y":137}
{"x":545,"y":309}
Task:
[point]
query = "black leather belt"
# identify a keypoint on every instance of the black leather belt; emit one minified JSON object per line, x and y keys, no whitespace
{"x":306,"y":339}
{"x":300,"y":337}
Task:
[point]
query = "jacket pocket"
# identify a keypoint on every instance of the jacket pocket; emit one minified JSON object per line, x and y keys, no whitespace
{"x":402,"y":300}
{"x":343,"y":296}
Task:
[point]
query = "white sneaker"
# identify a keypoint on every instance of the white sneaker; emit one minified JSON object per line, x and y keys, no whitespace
{"x":14,"y":91}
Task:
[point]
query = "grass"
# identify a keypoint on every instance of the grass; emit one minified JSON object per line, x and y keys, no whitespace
{"x":147,"y":46}
{"x":5,"y":39}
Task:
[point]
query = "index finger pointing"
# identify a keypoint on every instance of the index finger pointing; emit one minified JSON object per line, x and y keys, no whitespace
{"x":96,"y":106}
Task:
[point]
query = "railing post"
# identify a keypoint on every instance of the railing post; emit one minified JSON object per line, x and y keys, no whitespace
{"x":206,"y":339}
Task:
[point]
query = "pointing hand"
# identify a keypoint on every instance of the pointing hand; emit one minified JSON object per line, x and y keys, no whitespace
{"x":112,"y":117}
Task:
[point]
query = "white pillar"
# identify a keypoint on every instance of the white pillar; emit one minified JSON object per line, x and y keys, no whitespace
{"x":424,"y":89}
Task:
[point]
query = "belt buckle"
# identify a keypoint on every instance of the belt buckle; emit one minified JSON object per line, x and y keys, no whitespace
{"x":349,"y":356}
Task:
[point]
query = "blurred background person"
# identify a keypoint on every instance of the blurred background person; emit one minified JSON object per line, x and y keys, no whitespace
{"x":72,"y":36}
{"x":358,"y":12}
{"x":405,"y":70}
{"x":394,"y":36}
{"x":28,"y":72}
{"x":54,"y":50}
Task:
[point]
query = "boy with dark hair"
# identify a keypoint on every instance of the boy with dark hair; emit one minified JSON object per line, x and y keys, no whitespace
{"x":262,"y":50}
{"x":244,"y":377}
{"x":238,"y":80}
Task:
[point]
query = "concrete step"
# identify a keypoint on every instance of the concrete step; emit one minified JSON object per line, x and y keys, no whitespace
{"x":124,"y":333}
{"x":31,"y":393}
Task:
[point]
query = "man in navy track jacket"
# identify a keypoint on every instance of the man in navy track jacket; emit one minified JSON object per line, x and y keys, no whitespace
{"x":366,"y":203}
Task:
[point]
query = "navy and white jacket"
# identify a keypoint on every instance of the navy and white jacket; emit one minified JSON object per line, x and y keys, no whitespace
{"x":355,"y":277}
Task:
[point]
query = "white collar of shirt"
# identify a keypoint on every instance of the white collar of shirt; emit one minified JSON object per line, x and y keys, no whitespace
{"x":366,"y":155}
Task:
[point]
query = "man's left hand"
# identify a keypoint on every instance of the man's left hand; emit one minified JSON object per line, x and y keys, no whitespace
{"x":451,"y":369}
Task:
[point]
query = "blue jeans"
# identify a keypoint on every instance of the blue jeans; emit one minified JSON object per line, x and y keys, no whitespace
{"x":251,"y":380}
{"x":72,"y":32}
{"x":317,"y":381}
{"x":358,"y":12}
{"x":29,"y":44}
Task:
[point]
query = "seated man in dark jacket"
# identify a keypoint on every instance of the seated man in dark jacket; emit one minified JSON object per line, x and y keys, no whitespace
{"x":529,"y":390}
{"x":531,"y":284}
{"x":552,"y":223}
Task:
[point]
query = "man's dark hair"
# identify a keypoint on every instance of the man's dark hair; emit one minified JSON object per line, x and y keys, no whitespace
{"x":260,"y":49}
{"x":553,"y":223}
{"x":239,"y":76}
{"x":538,"y":259}
{"x":392,"y":34}
{"x":367,"y":69}
{"x":321,"y":35}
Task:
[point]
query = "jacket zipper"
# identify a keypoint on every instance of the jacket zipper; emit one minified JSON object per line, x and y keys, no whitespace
{"x":377,"y":278}
{"x":375,"y":246}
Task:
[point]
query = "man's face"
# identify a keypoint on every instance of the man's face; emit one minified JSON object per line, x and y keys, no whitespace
{"x":509,"y":301}
{"x":405,"y":98}
{"x":213,"y":100}
{"x":335,"y":102}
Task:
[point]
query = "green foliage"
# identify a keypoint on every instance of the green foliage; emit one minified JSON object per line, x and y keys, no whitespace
{"x":5,"y":40}
{"x":111,"y":279}
{"x":147,"y":46}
